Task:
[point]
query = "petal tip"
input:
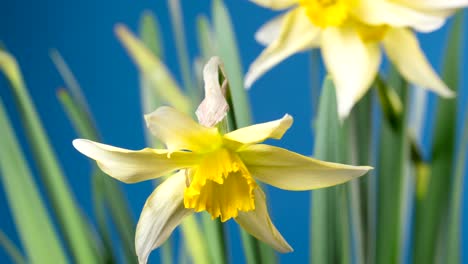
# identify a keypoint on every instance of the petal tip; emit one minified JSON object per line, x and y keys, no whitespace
{"x":447,"y":93}
{"x":81,"y":144}
{"x":288,"y":120}
{"x":249,"y":80}
{"x":288,"y":248}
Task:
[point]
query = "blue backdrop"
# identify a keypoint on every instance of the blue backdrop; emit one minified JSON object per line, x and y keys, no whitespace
{"x":83,"y":33}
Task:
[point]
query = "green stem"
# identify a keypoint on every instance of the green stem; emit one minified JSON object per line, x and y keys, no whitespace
{"x":392,"y":180}
{"x":453,"y":247}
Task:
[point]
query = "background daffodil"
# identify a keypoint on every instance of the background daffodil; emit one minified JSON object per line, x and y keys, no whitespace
{"x":216,"y":173}
{"x":350,"y":34}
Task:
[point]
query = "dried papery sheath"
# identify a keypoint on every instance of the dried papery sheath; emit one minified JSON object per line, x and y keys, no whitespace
{"x":214,"y":107}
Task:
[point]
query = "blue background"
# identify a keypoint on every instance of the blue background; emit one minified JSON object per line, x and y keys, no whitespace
{"x":82,"y":31}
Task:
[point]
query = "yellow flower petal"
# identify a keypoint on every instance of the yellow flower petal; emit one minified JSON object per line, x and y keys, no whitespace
{"x":378,"y":12}
{"x":180,"y":132}
{"x":259,"y":225}
{"x":411,"y":62}
{"x":352,"y":63}
{"x":297,"y":34}
{"x":162,"y":213}
{"x":260,"y":132}
{"x":290,"y":171}
{"x":270,"y":31}
{"x":275,"y":4}
{"x":134,"y":166}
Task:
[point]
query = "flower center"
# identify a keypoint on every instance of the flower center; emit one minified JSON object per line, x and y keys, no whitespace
{"x":327,"y":13}
{"x":220,"y":185}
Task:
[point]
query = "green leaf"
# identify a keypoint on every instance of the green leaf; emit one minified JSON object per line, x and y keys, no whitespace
{"x":153,"y":69}
{"x":84,"y":128}
{"x":454,"y":221}
{"x":182,"y":52}
{"x":330,"y":233}
{"x":150,"y":33}
{"x":106,"y":192}
{"x":81,"y":121}
{"x":215,"y":239}
{"x":34,"y":225}
{"x":99,"y":206}
{"x":194,"y":241}
{"x":392,"y":179}
{"x":71,"y":222}
{"x":315,"y":78}
{"x":11,"y":249}
{"x":206,"y":42}
{"x":363,"y":191}
{"x":432,"y":207}
{"x":150,"y":99}
{"x":69,"y":78}
{"x":229,"y":54}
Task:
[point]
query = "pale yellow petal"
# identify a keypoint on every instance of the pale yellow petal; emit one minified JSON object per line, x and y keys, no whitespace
{"x":379,"y":12}
{"x":402,"y":47}
{"x":259,"y":225}
{"x":297,"y":34}
{"x":180,"y":132}
{"x":275,"y":4}
{"x":162,"y":213}
{"x":352,"y":64}
{"x":435,"y":4}
{"x":134,"y":166}
{"x":260,"y":132}
{"x":291,"y":171}
{"x":270,"y":31}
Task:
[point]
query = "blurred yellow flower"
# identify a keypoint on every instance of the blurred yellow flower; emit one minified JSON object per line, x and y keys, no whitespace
{"x":217,"y":173}
{"x":349,"y":33}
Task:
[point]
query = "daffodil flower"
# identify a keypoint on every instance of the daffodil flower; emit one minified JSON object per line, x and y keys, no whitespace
{"x":350,"y":34}
{"x":215,"y":172}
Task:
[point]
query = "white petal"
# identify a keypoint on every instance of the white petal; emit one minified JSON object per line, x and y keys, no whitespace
{"x":162,"y":213}
{"x":275,"y":4}
{"x":352,"y":64}
{"x":259,"y":225}
{"x":290,"y":171}
{"x":260,"y":132}
{"x":270,"y":31}
{"x":297,"y":34}
{"x":378,"y":12}
{"x":435,"y":4}
{"x":214,"y":107}
{"x":402,"y":47}
{"x":134,"y":166}
{"x":180,"y":132}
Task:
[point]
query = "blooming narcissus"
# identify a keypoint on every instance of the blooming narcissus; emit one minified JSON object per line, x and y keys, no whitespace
{"x":349,"y":33}
{"x":215,"y":172}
